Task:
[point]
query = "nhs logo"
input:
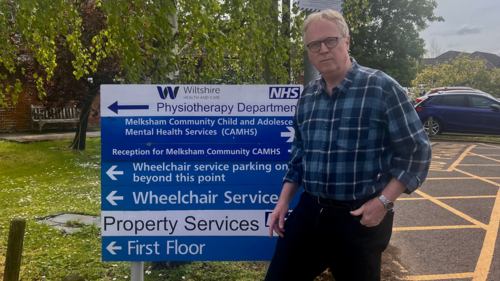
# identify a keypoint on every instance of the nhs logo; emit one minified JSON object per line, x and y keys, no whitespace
{"x":284,"y":92}
{"x":172,"y":93}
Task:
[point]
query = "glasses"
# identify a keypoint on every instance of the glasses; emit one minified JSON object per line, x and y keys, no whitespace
{"x":330,"y":43}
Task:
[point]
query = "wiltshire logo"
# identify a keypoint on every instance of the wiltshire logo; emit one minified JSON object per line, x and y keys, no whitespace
{"x":172,"y":93}
{"x":284,"y":92}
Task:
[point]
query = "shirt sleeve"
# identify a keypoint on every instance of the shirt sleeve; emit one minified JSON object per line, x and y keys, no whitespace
{"x":295,"y":171}
{"x":412,"y":149}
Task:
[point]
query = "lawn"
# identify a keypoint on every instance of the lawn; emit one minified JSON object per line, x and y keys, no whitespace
{"x":45,"y":178}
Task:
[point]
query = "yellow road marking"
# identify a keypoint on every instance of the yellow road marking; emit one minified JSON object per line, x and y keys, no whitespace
{"x":483,"y":165}
{"x":484,"y":261}
{"x":493,"y":159}
{"x":460,"y":158}
{"x":411,"y":228}
{"x":463,"y":178}
{"x":441,"y":276}
{"x":453,"y":210}
{"x":457,"y":178}
{"x":450,"y":197}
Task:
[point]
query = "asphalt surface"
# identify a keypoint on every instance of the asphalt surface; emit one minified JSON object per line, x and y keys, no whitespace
{"x":448,"y":228}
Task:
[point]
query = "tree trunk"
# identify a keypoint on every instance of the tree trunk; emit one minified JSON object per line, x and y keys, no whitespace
{"x":81,"y":129}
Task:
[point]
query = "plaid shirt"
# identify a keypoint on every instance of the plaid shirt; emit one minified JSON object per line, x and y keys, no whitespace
{"x":349,"y":145}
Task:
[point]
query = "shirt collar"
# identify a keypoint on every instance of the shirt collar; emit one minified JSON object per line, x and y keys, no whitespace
{"x":346,"y":82}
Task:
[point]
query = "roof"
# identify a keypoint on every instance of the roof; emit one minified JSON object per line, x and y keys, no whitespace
{"x":492,"y":60}
{"x":449,"y":55}
{"x":462,"y":92}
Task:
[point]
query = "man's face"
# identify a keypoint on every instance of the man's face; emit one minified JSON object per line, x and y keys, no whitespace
{"x":327,"y":61}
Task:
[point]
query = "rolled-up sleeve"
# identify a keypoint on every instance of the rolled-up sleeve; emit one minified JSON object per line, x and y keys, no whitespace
{"x":294,"y":172}
{"x":412,"y":149}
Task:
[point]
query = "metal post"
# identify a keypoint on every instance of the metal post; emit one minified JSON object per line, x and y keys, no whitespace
{"x":14,"y":250}
{"x":310,"y":72}
{"x":137,"y":271}
{"x":430,"y":132}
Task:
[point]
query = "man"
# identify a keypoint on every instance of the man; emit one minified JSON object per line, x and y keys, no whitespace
{"x":358,"y":146}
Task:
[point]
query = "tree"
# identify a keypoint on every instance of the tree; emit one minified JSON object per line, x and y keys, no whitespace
{"x":434,"y":49}
{"x":390,"y":40}
{"x":461,"y":71}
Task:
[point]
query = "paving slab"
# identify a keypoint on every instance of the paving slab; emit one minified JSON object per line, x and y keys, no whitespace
{"x":60,"y":221}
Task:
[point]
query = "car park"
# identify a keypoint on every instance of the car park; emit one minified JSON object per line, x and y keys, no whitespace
{"x":460,"y":112}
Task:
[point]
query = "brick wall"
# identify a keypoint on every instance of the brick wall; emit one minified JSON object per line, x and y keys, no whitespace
{"x":16,"y":118}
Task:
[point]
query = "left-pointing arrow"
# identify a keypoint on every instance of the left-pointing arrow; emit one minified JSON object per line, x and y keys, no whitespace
{"x":111,"y":198}
{"x":115,"y":107}
{"x":111,"y":248}
{"x":111,"y":172}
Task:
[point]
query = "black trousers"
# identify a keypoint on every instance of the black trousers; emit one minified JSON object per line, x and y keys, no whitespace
{"x":317,"y":237}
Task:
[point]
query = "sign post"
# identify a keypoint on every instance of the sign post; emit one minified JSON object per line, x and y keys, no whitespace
{"x":193,"y":172}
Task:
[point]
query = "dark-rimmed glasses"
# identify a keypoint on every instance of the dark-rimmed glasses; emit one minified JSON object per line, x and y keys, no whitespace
{"x":330,"y":43}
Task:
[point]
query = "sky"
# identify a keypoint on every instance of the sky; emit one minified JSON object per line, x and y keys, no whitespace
{"x":469,"y":26}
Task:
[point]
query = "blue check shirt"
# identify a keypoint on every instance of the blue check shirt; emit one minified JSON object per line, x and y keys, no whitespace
{"x":349,"y":145}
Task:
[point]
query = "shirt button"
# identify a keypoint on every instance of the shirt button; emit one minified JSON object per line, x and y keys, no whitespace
{"x":322,"y":149}
{"x":321,"y":171}
{"x":329,"y":105}
{"x":326,"y":127}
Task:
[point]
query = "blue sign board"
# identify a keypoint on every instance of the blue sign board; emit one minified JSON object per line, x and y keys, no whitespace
{"x":196,"y":197}
{"x":197,"y":129}
{"x":193,"y":172}
{"x":195,"y":151}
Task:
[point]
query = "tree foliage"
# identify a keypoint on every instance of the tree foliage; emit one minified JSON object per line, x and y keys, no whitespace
{"x":390,"y":40}
{"x":461,"y":71}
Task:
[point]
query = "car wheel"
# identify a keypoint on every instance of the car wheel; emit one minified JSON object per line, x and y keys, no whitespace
{"x":437,"y":128}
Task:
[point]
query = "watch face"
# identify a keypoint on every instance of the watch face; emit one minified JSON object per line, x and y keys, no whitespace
{"x":389,"y":205}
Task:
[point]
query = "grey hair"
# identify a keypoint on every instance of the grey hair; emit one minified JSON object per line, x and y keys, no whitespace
{"x":330,"y":15}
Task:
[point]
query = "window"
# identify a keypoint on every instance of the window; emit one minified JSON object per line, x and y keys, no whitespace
{"x":453,"y":101}
{"x":479,"y":102}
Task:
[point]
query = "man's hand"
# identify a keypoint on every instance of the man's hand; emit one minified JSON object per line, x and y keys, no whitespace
{"x":278,"y":219}
{"x":373,"y":212}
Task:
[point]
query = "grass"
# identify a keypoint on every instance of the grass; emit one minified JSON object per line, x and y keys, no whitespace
{"x":42,"y":179}
{"x":469,"y":138}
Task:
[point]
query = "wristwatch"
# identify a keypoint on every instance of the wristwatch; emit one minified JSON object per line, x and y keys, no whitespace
{"x":388,"y":204}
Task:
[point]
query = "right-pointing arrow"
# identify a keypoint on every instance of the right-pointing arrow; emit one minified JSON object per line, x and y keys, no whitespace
{"x":111,"y":198}
{"x":289,"y":135}
{"x":111,"y":172}
{"x":111,"y":248}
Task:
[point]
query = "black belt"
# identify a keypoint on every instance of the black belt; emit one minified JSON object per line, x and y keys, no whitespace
{"x":332,"y":203}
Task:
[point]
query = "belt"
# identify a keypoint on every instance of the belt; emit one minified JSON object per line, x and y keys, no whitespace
{"x":332,"y":203}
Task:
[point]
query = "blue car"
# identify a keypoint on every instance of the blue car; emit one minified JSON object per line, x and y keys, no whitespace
{"x":460,"y":112}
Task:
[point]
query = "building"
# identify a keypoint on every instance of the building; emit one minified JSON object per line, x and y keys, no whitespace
{"x":492,"y":60}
